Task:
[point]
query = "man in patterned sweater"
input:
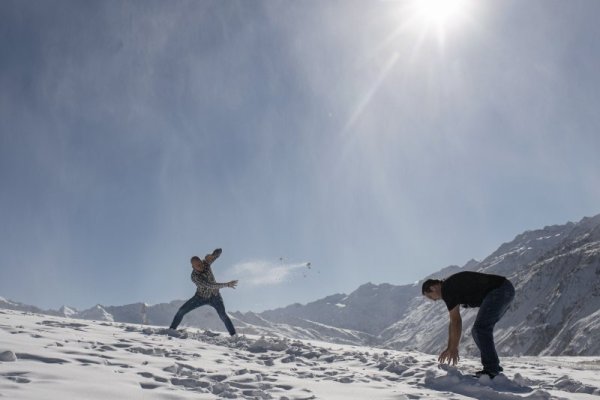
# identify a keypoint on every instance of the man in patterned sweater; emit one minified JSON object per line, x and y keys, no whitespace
{"x":207,"y":291}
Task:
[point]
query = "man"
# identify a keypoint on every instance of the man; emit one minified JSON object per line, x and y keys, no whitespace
{"x":207,"y":291}
{"x":491,"y":293}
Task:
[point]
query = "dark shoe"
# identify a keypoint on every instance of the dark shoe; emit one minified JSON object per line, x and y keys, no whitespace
{"x":491,"y":374}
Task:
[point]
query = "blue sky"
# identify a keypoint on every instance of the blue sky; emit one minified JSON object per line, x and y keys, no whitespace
{"x":359,"y":136}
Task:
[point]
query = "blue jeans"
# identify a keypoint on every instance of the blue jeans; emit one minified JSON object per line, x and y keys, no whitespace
{"x":493,"y":307}
{"x":215,"y":301}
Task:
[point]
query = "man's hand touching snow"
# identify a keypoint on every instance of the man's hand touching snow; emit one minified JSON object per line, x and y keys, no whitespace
{"x":450,"y":356}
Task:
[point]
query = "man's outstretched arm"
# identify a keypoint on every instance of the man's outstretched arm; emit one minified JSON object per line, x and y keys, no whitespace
{"x":212,"y":285}
{"x":450,"y":355}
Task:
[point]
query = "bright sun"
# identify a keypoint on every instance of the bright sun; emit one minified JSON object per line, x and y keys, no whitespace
{"x":441,"y":14}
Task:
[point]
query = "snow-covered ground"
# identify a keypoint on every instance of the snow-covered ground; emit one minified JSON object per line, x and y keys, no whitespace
{"x":44,"y":357}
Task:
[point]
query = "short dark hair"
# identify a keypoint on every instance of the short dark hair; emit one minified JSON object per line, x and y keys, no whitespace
{"x":426,"y":288}
{"x":194,"y":258}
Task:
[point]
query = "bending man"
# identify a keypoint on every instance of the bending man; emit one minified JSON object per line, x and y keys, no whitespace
{"x":491,"y":293}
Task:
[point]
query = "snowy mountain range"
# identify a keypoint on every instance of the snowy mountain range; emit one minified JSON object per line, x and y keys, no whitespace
{"x":556,"y":311}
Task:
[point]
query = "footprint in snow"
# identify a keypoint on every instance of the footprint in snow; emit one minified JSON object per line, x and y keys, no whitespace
{"x":34,"y":357}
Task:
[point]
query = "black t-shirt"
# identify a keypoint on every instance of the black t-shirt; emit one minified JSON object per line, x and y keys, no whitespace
{"x":469,"y":288}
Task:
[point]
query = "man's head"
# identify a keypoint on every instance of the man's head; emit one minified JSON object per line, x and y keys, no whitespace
{"x":432,"y":289}
{"x":197,"y":262}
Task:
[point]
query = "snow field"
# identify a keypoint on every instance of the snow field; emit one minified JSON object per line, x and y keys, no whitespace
{"x":44,"y":357}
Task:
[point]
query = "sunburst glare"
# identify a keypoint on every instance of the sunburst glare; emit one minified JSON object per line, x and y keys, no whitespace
{"x":439,"y":16}
{"x":441,"y":13}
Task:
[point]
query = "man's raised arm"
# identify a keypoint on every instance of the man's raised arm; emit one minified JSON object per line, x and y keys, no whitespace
{"x":210,"y":258}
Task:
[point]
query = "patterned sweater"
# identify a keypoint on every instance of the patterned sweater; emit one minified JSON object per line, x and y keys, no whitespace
{"x":205,"y":281}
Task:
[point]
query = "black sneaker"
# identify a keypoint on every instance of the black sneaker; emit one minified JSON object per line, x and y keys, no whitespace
{"x":491,"y":374}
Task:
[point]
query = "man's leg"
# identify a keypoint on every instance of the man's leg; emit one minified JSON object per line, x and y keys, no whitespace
{"x":194,"y":302}
{"x":217,"y":303}
{"x":494,"y":306}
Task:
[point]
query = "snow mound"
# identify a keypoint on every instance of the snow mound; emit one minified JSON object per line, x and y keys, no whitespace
{"x":7,"y":356}
{"x":499,"y":388}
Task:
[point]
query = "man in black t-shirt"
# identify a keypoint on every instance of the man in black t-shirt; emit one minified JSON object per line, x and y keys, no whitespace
{"x":491,"y":293}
